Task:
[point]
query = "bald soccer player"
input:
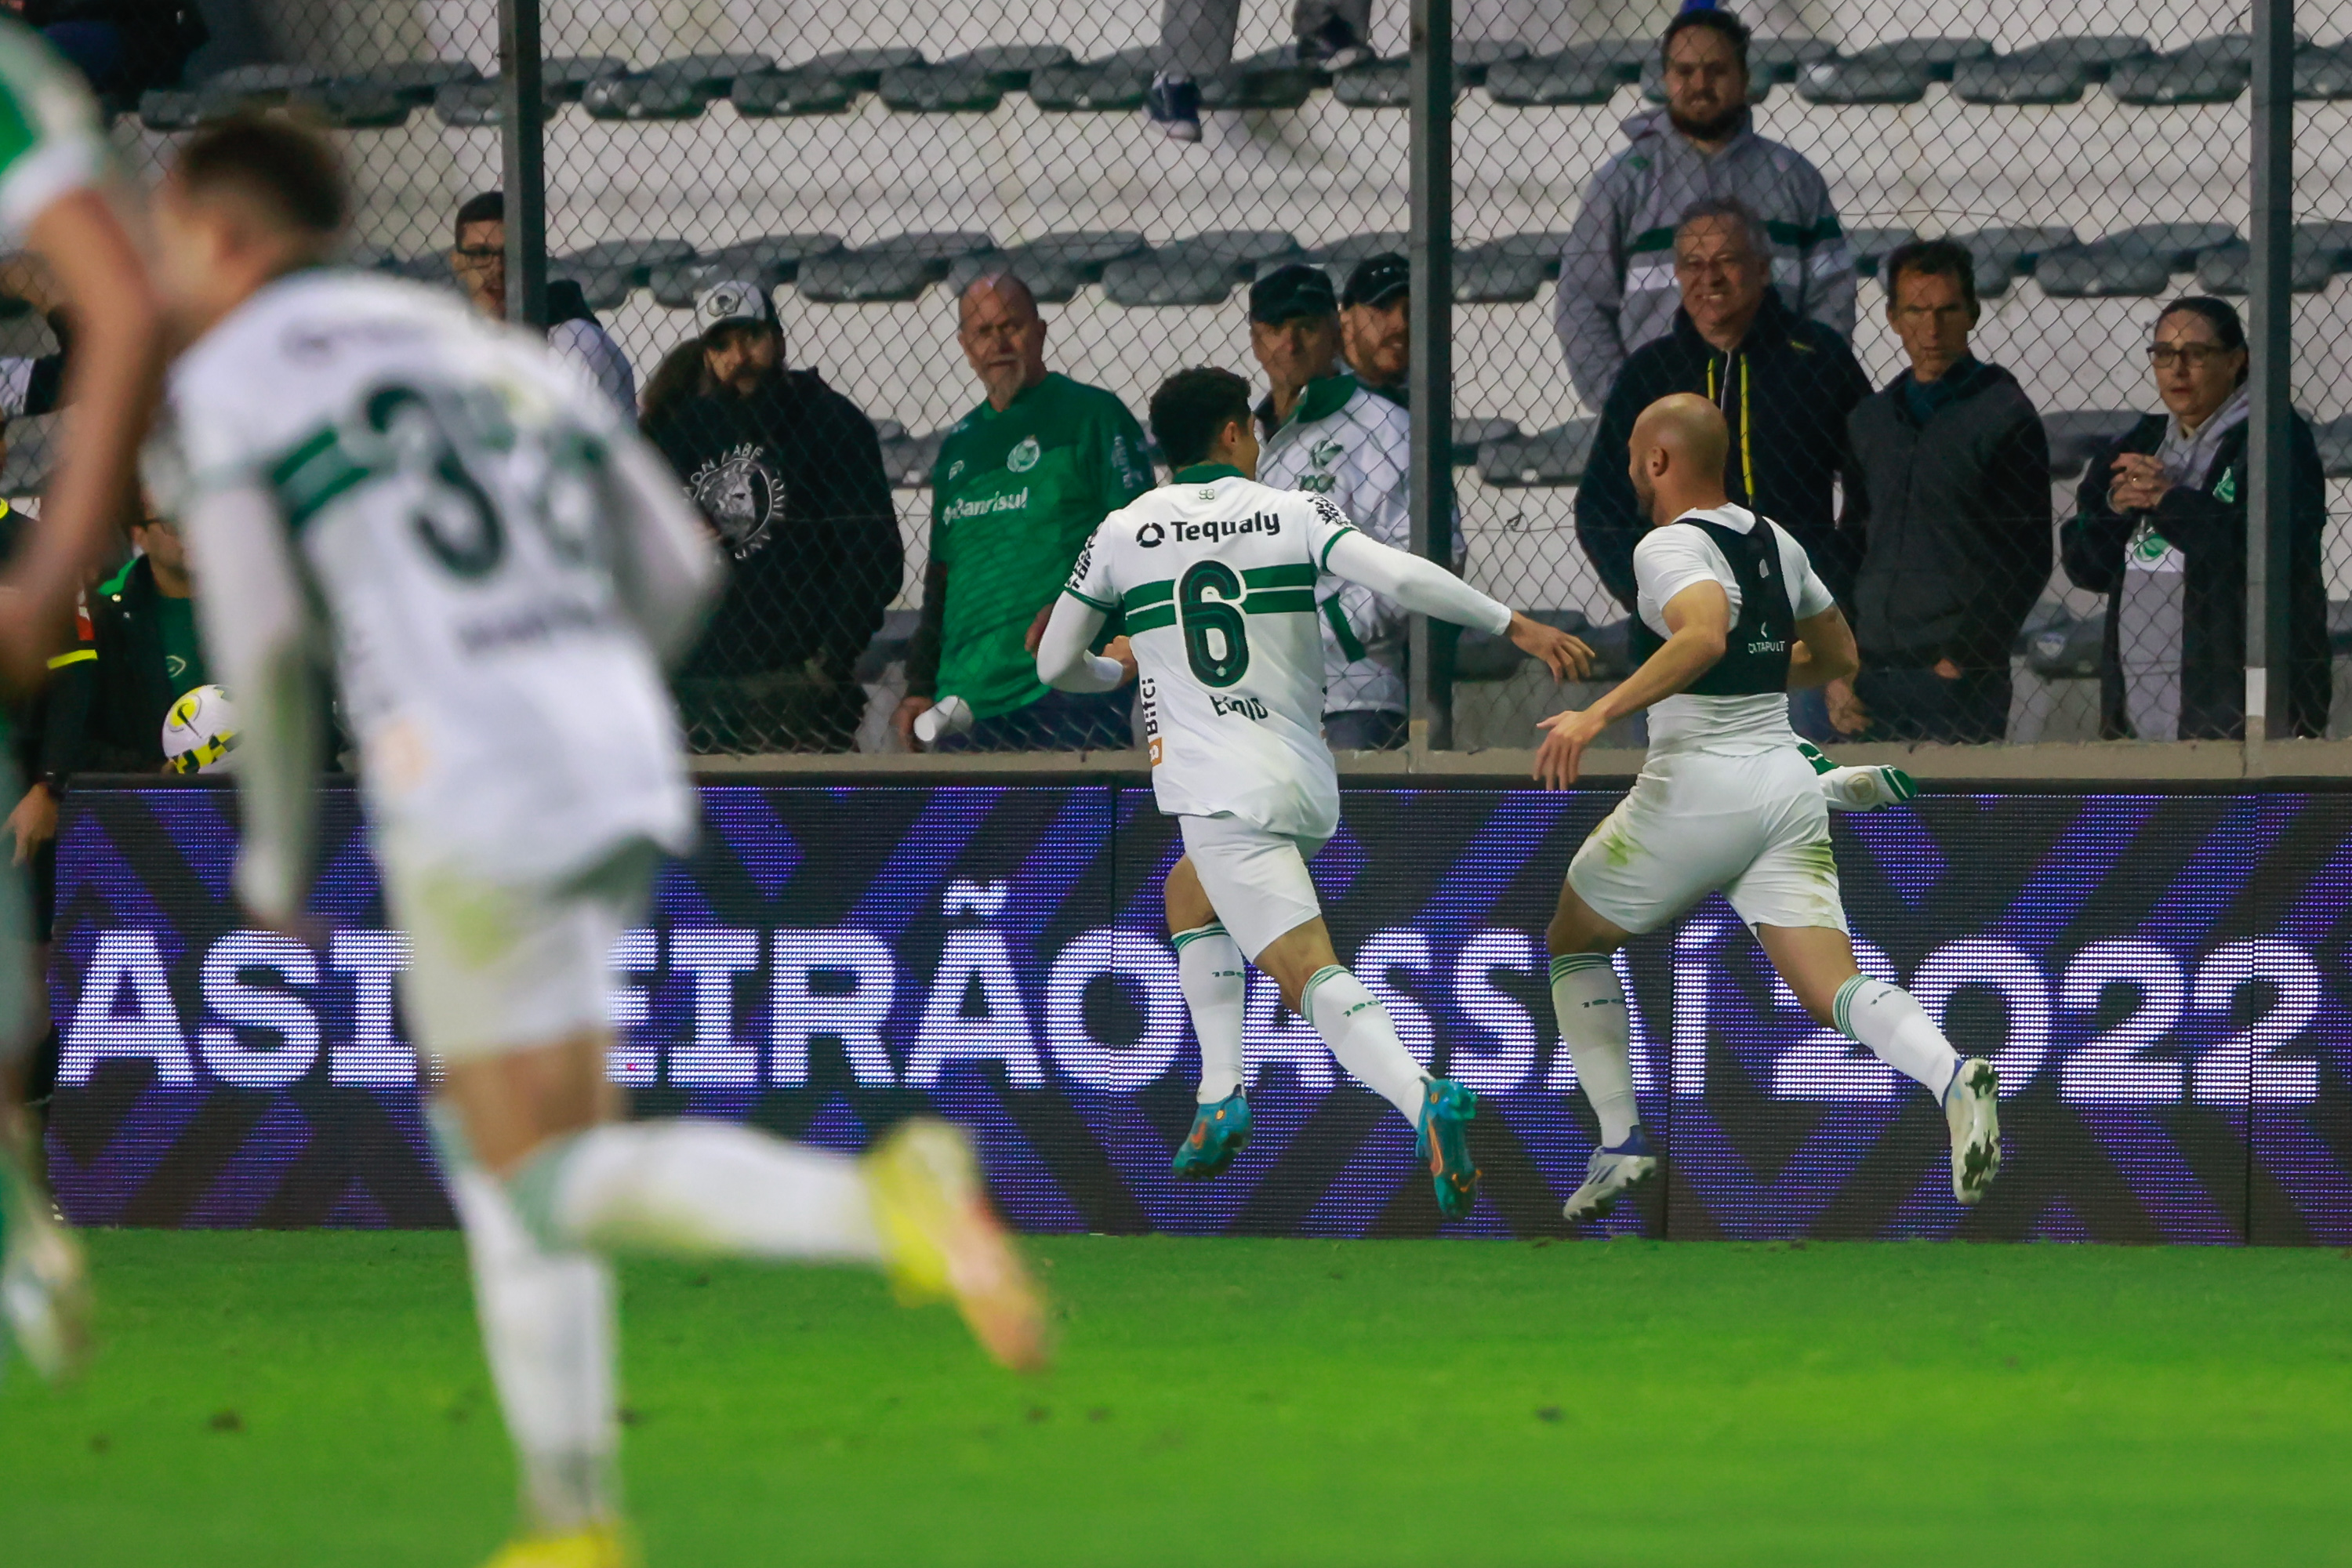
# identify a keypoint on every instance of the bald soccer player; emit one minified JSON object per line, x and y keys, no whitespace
{"x":1730,"y":617}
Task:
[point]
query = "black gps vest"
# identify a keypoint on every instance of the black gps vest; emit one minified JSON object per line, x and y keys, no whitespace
{"x":1756,"y":655}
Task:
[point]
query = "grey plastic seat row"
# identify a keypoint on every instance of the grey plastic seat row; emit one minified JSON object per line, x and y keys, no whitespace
{"x":909,"y":459}
{"x":1551,"y":458}
{"x":2075,"y":434}
{"x":2137,"y":261}
{"x":769,"y":262}
{"x":2227,"y":268}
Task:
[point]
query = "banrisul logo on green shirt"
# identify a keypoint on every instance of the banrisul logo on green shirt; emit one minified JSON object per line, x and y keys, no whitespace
{"x":1024,"y":458}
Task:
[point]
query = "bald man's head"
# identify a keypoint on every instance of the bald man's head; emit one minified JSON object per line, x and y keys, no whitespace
{"x":1676,"y":455}
{"x":1003,"y":336}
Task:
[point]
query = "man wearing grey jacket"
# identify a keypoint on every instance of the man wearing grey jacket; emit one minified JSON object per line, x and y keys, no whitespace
{"x":1617,"y":285}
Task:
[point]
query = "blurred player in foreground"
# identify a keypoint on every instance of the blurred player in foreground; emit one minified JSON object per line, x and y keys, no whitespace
{"x":494,"y":564}
{"x":1214,"y":575}
{"x":55,"y":200}
{"x":1732,"y":618}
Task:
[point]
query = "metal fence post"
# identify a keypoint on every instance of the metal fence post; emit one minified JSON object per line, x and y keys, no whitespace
{"x":2270,"y":445}
{"x":1430,"y":382}
{"x":522,"y":122}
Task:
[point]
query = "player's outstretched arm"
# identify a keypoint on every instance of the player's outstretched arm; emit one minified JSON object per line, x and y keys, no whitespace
{"x":112,"y":383}
{"x":1698,"y":627}
{"x":1063,"y":662}
{"x":1825,"y":651}
{"x":1428,"y":589}
{"x":257,"y":636}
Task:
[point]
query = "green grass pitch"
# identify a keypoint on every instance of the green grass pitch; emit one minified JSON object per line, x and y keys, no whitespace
{"x":318,"y":1399}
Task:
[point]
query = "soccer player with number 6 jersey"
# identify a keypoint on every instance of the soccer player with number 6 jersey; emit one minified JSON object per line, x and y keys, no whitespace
{"x":1214,"y":577}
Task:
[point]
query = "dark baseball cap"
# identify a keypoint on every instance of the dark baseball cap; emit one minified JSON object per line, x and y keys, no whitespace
{"x":1378,"y":279}
{"x":1289,"y":292}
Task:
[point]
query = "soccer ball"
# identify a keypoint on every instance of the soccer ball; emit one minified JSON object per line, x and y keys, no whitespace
{"x":200,"y":731}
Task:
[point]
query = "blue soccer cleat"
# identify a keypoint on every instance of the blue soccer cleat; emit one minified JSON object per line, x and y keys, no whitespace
{"x":1220,"y":1131}
{"x":1609,"y":1175}
{"x":1446,"y":1108}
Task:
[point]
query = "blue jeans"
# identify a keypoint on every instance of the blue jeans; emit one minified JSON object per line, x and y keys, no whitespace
{"x":1057,"y":722}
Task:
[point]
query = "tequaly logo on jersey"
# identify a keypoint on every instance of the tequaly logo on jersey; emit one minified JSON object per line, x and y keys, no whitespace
{"x":1152,"y":535}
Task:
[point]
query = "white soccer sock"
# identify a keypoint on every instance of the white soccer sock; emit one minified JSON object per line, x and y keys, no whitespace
{"x":1889,"y":1021}
{"x":1209,"y":967}
{"x":686,"y":1186}
{"x":1357,"y":1027}
{"x":548,"y":1334}
{"x":1591,"y":1006}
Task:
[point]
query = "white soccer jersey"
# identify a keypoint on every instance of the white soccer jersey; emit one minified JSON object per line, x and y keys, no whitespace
{"x":1216,"y":576}
{"x":1671,"y":559}
{"x":489,"y":553}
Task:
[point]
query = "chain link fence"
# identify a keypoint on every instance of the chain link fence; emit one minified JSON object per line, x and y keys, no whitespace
{"x":860,"y":167}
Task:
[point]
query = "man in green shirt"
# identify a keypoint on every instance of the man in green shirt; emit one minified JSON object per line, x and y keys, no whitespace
{"x":143,"y":623}
{"x":1020,"y":483}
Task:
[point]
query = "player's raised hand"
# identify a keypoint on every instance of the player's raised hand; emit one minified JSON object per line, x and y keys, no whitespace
{"x":1562,"y":753}
{"x":1566,"y":656}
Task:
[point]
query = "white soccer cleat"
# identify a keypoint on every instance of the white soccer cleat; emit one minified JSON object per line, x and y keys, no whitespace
{"x":1609,"y":1176}
{"x":44,"y":1283}
{"x":1972,"y":1110}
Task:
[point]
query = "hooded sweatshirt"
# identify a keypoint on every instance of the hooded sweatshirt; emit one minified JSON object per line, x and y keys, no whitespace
{"x":1617,"y":275}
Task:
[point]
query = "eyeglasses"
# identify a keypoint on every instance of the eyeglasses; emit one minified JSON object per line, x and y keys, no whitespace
{"x":2197,"y":356}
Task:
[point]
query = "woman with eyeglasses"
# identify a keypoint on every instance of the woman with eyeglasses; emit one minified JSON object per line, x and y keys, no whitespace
{"x":2159,"y":527}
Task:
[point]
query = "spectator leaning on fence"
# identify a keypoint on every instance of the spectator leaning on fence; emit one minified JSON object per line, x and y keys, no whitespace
{"x":789,"y":475}
{"x":573,"y":332}
{"x":2159,"y":527}
{"x":1617,"y":274}
{"x":1020,"y":483}
{"x":1955,"y":490}
{"x":1785,"y":384}
{"x":1326,"y":435}
{"x":1373,"y":332}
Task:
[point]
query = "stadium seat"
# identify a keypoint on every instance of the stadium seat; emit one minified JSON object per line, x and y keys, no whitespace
{"x":568,"y":76}
{"x":770,"y":262}
{"x":262,"y":83}
{"x":2336,"y":446}
{"x":2075,"y":434}
{"x":713,"y":76}
{"x":1552,"y":81}
{"x":1654,"y":81}
{"x":1546,"y":247}
{"x":418,"y":80}
{"x":2098,"y":54}
{"x":938,"y":245}
{"x":1341,"y":254}
{"x":1268,"y":81}
{"x":805,"y":91}
{"x":861,"y":69}
{"x":351,"y":105}
{"x":638,"y":258}
{"x":1549,"y":457}
{"x":2226,"y":269}
{"x":1087,"y":250}
{"x":1165,"y":277}
{"x":909,"y":459}
{"x":1869,"y":245}
{"x":1938,"y":57}
{"x":1009,"y":66}
{"x":869,"y":276}
{"x":2002,"y":255}
{"x":1384,"y":84}
{"x":1780,"y":60}
{"x":461,"y":105}
{"x":937,"y":90}
{"x":1241,"y":251}
{"x":1051,"y":280}
{"x":1491,"y":274}
{"x":642,"y":98}
{"x":164,"y":109}
{"x":1472,"y":433}
{"x":2179,"y":243}
{"x":1117,"y":83}
{"x":2168,"y":80}
{"x":887,"y":431}
{"x":2137,"y":261}
{"x":1623,"y":59}
{"x":2020,"y":80}
{"x":1474,"y":57}
{"x":1858,"y":80}
{"x":2324,"y":75}
{"x":2333,"y":240}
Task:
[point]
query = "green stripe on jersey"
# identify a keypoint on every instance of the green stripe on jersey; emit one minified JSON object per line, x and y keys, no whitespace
{"x":1325,"y":560}
{"x":1296,"y":574}
{"x":1137,"y":622}
{"x":312,"y":474}
{"x":1148,"y":594}
{"x":1087,"y":599}
{"x":1350,"y":645}
{"x":1285,"y":602}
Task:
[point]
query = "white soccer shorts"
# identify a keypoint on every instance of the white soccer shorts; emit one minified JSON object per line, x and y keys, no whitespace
{"x":1755,"y":827}
{"x":495,"y":968}
{"x":1256,"y":879}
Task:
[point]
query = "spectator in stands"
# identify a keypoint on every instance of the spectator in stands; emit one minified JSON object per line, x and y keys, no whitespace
{"x":789,"y":474}
{"x":1785,"y":382}
{"x":1326,"y":433}
{"x":479,"y":261}
{"x":144,"y":632}
{"x":1019,"y":485}
{"x":1617,"y":276}
{"x":1196,"y":42}
{"x":2159,"y":527}
{"x":1372,"y":327}
{"x":1954,"y":486}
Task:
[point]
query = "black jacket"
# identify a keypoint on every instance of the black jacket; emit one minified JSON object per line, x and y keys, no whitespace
{"x":791,"y":478}
{"x":1785,"y":390}
{"x":1954,"y":521}
{"x":2209,"y":526}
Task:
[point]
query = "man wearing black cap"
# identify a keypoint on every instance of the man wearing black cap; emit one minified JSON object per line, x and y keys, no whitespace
{"x":789,"y":475}
{"x":1330,"y":437}
{"x":1372,"y":330}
